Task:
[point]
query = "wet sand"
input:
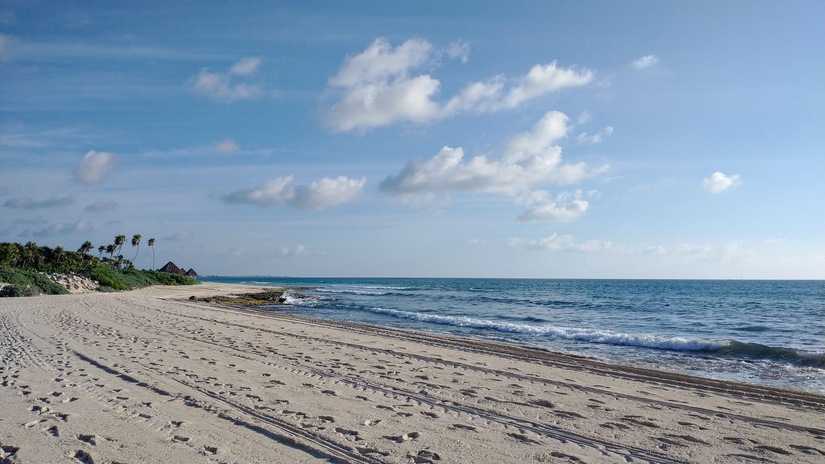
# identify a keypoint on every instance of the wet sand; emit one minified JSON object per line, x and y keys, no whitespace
{"x":149,"y":376}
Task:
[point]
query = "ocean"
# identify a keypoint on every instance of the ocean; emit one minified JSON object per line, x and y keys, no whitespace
{"x":768,"y":333}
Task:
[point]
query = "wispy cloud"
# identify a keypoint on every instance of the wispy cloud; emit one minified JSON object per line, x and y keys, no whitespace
{"x":83,"y":225}
{"x":557,"y":242}
{"x":6,"y":43}
{"x":30,"y":203}
{"x":598,"y":137}
{"x":227,"y":145}
{"x":318,"y":194}
{"x":378,"y":87}
{"x":645,"y":61}
{"x":718,"y":182}
{"x":180,"y":236}
{"x":223,"y":86}
{"x":94,"y":167}
{"x":102,"y":206}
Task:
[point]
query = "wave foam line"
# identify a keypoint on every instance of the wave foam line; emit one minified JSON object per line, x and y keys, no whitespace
{"x":720,"y":347}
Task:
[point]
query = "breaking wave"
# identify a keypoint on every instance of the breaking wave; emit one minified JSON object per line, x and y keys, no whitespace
{"x":727,"y":348}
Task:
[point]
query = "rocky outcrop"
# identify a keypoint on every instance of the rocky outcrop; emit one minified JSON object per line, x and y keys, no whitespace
{"x":74,"y":283}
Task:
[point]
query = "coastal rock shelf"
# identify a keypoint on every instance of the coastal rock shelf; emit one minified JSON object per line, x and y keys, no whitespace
{"x":152,"y":375}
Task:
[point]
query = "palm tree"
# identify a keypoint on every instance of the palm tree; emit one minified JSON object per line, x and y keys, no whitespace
{"x":100,"y":250}
{"x":136,"y":242}
{"x":119,"y":241}
{"x":87,"y":245}
{"x":152,"y":245}
{"x":110,"y":248}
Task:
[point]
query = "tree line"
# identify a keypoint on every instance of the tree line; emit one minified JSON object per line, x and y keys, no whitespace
{"x":34,"y":257}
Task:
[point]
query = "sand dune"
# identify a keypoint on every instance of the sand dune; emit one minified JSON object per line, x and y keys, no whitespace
{"x":147,"y":376}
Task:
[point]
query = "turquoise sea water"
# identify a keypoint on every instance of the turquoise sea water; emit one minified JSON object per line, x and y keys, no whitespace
{"x":763,"y":332}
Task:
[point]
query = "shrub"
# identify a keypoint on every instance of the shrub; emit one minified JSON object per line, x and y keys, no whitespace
{"x":111,"y":279}
{"x":27,"y":283}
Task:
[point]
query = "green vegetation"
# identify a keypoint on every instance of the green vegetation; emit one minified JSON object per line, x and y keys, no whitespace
{"x":23,"y":268}
{"x":113,"y":279}
{"x":27,"y":283}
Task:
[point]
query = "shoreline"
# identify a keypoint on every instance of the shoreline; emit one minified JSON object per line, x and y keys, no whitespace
{"x":148,"y":375}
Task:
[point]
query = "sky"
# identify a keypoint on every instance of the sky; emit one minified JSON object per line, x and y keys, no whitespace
{"x":536,"y":139}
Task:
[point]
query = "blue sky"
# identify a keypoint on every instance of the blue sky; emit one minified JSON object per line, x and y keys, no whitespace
{"x":639,"y":139}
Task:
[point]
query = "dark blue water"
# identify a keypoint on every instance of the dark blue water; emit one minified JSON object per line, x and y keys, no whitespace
{"x":763,"y":332}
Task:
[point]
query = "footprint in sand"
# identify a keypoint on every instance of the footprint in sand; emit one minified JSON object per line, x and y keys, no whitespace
{"x":90,"y":439}
{"x":402,"y":438}
{"x":83,"y":457}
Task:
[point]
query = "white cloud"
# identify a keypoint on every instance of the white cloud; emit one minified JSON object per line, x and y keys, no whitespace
{"x":584,"y":137}
{"x":558,"y":242}
{"x":545,"y":79}
{"x":222,"y":86}
{"x":94,"y":167}
{"x":380,"y":62}
{"x":645,"y":61}
{"x":293,"y":250}
{"x":245,"y":66}
{"x":30,"y":203}
{"x":269,"y":192}
{"x":227,"y":145}
{"x":566,"y":206}
{"x":460,"y":50}
{"x":327,"y":192}
{"x":317,"y":195}
{"x":377,"y":87}
{"x":718,"y":182}
{"x":530,"y":159}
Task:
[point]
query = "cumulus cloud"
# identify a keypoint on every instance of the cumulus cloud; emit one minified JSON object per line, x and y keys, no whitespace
{"x":378,"y":87}
{"x":718,"y":182}
{"x":565,"y":242}
{"x":566,"y":206}
{"x":227,"y":145}
{"x":223,"y":86}
{"x":80,"y":226}
{"x":94,"y":167}
{"x":102,"y":206}
{"x":530,"y":159}
{"x":271,"y":191}
{"x":30,"y":203}
{"x":319,"y":194}
{"x":326,"y":192}
{"x":645,"y":61}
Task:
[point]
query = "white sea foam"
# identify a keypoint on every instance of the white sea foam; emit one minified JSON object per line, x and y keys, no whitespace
{"x":568,"y":333}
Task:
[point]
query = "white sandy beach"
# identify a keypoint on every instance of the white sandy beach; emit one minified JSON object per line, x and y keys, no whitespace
{"x":147,"y":376}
